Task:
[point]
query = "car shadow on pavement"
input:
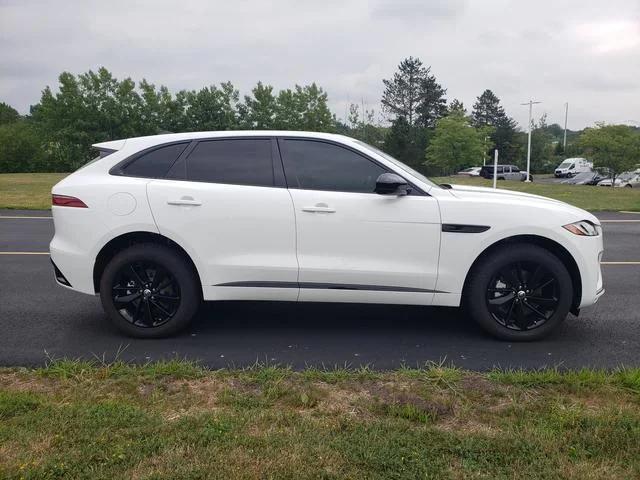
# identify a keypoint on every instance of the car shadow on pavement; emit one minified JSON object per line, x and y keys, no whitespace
{"x":333,"y":317}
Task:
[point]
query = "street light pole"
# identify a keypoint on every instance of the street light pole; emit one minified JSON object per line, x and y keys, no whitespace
{"x":566,"y":114}
{"x":530,"y":103}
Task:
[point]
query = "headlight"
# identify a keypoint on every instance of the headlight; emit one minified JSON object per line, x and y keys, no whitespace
{"x":584,"y":228}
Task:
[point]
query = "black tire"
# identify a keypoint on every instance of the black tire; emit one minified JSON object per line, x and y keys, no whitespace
{"x":497,"y":306}
{"x":173,"y":277}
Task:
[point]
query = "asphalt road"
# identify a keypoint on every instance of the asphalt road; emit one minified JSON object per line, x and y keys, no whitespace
{"x":40,"y":320}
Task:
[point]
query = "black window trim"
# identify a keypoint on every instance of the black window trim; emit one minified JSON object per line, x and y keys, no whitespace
{"x":415,"y":190}
{"x":279,"y":180}
{"x":119,"y":168}
{"x":278,"y":176}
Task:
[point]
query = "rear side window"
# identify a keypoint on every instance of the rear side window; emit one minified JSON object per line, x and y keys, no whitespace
{"x":313,"y":165}
{"x":156,"y":163}
{"x":233,"y":161}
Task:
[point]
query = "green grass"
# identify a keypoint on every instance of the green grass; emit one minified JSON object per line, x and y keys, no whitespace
{"x":32,"y":191}
{"x":584,"y":196}
{"x":28,"y":191}
{"x":177,"y":420}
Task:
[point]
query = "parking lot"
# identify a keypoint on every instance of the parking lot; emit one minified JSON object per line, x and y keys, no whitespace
{"x":40,"y":320}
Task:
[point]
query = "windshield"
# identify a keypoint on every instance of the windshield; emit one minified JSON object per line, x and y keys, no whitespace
{"x":565,"y":164}
{"x":397,"y":163}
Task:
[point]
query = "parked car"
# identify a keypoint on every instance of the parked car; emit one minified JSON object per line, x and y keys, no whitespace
{"x":504,"y":172}
{"x":585,"y":178}
{"x":625,"y":179}
{"x":160,"y":223}
{"x":573,"y":166}
{"x":470,"y":172}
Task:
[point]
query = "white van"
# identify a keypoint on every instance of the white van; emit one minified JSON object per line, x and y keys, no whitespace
{"x":573,"y":166}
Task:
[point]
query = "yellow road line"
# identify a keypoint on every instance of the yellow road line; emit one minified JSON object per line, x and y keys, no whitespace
{"x":24,"y":253}
{"x":627,"y":211}
{"x":627,"y":220}
{"x":16,"y":217}
{"x":619,"y":263}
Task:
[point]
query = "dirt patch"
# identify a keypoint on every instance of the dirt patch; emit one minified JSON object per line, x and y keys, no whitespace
{"x":18,"y":382}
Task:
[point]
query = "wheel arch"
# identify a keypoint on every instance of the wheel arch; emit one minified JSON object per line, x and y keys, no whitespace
{"x":551,"y":246}
{"x":119,"y":243}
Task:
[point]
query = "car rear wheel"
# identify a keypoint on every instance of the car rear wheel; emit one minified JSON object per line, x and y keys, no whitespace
{"x":149,"y":291}
{"x":519,"y":294}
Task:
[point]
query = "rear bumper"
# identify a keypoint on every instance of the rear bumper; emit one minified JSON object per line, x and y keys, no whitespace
{"x":73,"y":268}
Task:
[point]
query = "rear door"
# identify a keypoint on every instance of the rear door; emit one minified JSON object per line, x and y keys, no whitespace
{"x":355,"y":245}
{"x":226,"y":203}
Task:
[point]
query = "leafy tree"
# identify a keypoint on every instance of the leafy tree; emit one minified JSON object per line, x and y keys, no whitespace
{"x":8,"y":114}
{"x":364,"y":128}
{"x":315,"y":113}
{"x":160,"y":111}
{"x":21,"y":148}
{"x":616,"y":147}
{"x":212,"y":108}
{"x":455,"y":144}
{"x":304,"y":108}
{"x":259,"y":110}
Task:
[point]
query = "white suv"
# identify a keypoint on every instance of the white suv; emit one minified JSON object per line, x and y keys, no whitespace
{"x":160,"y":223}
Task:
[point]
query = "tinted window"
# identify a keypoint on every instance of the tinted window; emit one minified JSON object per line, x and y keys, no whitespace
{"x":322,"y":166}
{"x":240,"y":162}
{"x":515,"y":169}
{"x":156,"y":163}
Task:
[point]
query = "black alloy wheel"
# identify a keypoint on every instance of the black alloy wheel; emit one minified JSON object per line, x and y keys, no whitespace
{"x":145,"y":294}
{"x":519,"y":292}
{"x":522,"y":295}
{"x":150,"y":291}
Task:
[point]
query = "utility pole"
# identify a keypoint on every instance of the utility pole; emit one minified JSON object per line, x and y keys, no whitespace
{"x":566,"y":114}
{"x":530,"y":103}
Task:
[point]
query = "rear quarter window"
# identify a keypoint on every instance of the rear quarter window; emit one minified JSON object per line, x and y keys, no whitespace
{"x":156,"y":163}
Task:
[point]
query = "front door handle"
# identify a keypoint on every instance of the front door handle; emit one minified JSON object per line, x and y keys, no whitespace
{"x":319,"y":208}
{"x":185,"y":200}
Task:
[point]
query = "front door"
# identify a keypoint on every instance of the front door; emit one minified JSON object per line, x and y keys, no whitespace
{"x":352,"y":244}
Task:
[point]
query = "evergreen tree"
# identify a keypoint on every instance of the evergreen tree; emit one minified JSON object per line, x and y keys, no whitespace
{"x":487,"y":112}
{"x":415,"y":101}
{"x":456,"y":106}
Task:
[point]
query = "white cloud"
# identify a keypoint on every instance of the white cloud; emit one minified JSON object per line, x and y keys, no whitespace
{"x":548,"y":50}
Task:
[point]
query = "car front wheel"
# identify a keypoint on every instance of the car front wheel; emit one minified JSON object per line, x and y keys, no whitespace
{"x":521,"y":293}
{"x":149,"y":291}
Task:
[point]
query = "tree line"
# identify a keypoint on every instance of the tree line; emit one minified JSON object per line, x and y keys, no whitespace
{"x":418,"y":125}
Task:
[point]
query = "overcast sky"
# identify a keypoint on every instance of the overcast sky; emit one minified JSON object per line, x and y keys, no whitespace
{"x":586,"y":52}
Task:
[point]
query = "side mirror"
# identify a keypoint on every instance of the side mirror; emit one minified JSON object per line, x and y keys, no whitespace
{"x":392,"y":184}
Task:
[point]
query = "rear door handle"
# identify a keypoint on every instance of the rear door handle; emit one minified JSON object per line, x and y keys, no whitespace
{"x":186,"y":200}
{"x":319,"y":208}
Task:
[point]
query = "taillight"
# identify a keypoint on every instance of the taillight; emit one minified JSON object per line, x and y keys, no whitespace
{"x":67,"y":201}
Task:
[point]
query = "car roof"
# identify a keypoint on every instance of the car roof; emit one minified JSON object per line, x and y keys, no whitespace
{"x":149,"y":141}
